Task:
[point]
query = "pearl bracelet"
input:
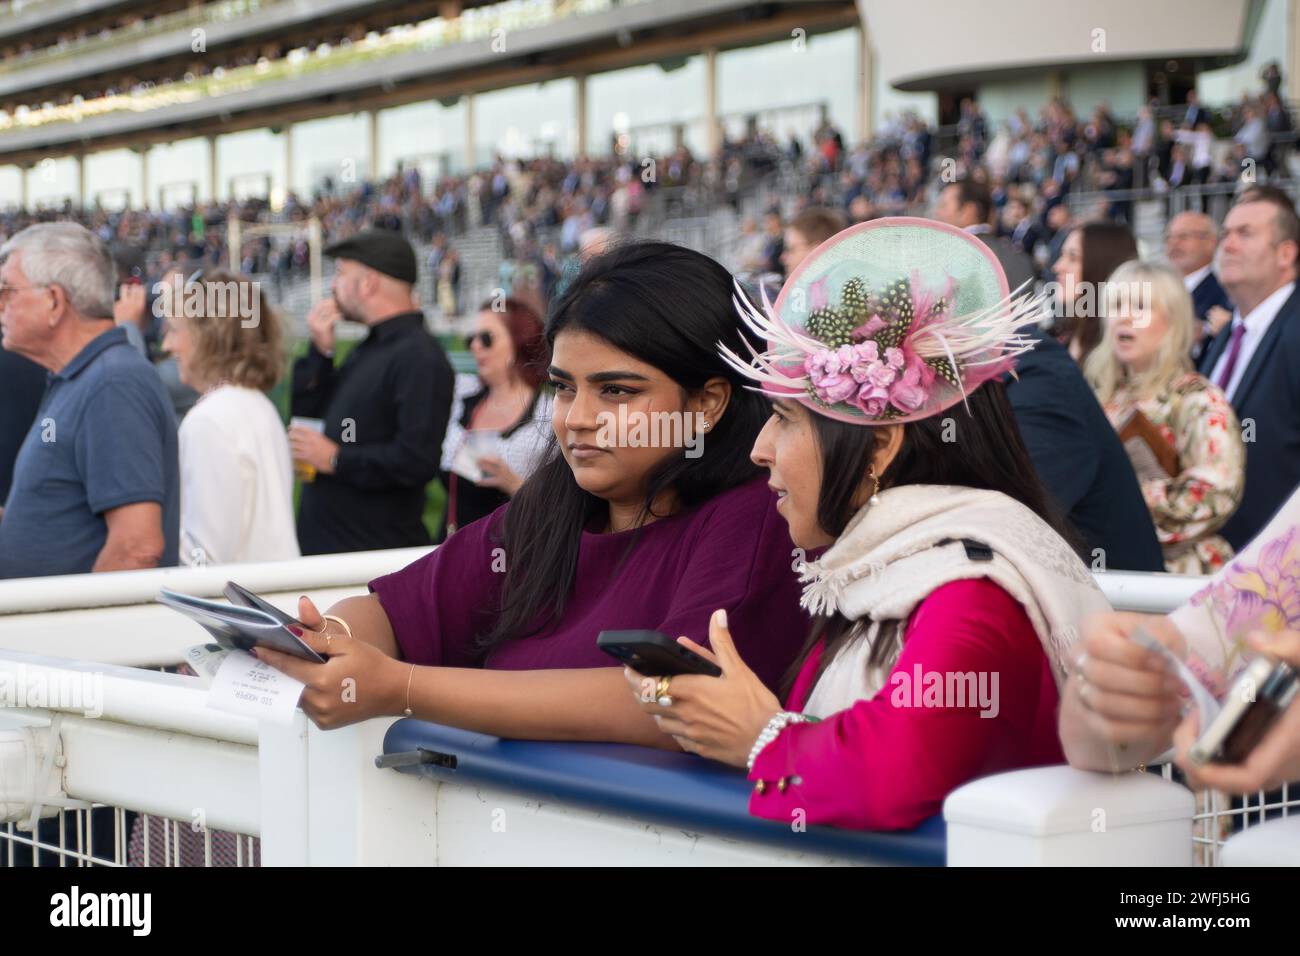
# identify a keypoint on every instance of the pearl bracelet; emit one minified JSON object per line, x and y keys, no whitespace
{"x":780,"y":720}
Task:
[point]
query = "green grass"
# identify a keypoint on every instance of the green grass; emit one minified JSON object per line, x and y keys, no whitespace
{"x":435,"y":496}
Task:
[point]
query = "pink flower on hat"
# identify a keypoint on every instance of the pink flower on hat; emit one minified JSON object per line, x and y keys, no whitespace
{"x":894,"y":357}
{"x":881,"y":375}
{"x":908,"y":394}
{"x":867,"y":351}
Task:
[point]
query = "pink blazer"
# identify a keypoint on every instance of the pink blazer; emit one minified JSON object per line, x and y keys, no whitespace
{"x":971,"y":694}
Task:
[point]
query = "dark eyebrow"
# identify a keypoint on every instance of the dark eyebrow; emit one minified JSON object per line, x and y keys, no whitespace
{"x":781,"y":406}
{"x":598,"y":378}
{"x":614,"y":376}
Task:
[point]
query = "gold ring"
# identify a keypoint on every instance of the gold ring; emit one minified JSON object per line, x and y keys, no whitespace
{"x":661,"y":689}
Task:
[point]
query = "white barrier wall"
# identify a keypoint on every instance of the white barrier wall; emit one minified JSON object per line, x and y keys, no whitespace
{"x":113,"y":618}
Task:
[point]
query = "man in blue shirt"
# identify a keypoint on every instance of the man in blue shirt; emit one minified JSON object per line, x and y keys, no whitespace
{"x":96,"y":484}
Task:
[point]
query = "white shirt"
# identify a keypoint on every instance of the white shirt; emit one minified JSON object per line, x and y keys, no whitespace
{"x":236,"y":480}
{"x":1193,"y":279}
{"x":525,"y":448}
{"x":1257,"y":323}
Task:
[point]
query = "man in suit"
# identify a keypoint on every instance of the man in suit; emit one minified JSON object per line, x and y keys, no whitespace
{"x":1081,"y":461}
{"x":1255,"y":358}
{"x":1190,"y":238}
{"x":967,"y":205}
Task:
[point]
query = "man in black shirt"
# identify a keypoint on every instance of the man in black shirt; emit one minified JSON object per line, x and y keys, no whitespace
{"x":385,"y":408}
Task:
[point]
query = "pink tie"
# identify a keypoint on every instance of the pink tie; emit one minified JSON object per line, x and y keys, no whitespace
{"x":1234,"y":350}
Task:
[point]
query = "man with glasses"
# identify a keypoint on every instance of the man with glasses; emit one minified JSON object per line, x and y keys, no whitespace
{"x":1255,"y":357}
{"x":96,"y":484}
{"x":384,"y":410}
{"x":1190,"y":239}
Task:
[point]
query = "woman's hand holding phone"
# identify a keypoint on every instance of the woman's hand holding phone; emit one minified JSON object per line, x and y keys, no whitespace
{"x":1274,"y":760}
{"x":715,"y":717}
{"x":1122,"y":701}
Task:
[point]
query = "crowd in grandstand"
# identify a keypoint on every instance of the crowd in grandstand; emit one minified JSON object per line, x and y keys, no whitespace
{"x":1120,"y":444}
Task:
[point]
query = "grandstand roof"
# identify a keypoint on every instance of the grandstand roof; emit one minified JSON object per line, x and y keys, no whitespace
{"x":625,"y":35}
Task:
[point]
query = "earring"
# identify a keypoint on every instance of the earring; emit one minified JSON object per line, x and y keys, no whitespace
{"x":875,"y":487}
{"x":704,"y":423}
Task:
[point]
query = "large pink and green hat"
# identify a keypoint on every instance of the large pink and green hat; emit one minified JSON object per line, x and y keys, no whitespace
{"x":892,"y":320}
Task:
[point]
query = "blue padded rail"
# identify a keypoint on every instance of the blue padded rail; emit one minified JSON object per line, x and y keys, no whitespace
{"x":673,"y":789}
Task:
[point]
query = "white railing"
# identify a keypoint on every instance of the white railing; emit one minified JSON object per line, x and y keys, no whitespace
{"x":113,"y":618}
{"x":210,"y":783}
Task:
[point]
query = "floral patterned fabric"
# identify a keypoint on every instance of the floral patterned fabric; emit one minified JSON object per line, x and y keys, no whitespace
{"x":1199,"y":424}
{"x":1258,"y":591}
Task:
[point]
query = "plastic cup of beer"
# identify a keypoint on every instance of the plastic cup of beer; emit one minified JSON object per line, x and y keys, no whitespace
{"x":306,"y":471}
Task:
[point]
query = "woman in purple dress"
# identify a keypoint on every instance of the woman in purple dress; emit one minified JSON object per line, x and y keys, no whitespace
{"x":646,"y":513}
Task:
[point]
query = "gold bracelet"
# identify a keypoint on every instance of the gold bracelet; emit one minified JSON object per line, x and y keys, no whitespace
{"x":338,"y":620}
{"x":409,"y":678}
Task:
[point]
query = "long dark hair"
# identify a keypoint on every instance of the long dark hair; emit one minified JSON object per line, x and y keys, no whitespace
{"x":985,"y":451}
{"x":666,"y":306}
{"x":1104,"y":247}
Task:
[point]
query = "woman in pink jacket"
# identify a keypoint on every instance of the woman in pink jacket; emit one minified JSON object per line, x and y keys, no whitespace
{"x":947,"y":596}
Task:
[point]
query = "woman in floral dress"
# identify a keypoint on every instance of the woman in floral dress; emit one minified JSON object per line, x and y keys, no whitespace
{"x":1142,"y":366}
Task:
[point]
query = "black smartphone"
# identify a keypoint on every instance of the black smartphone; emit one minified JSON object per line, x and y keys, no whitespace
{"x":1255,"y":702}
{"x":654,"y":654}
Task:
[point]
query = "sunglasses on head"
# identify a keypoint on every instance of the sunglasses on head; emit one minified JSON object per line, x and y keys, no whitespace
{"x":483,"y":338}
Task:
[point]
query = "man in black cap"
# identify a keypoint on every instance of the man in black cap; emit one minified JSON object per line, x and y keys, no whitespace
{"x":385,"y":408}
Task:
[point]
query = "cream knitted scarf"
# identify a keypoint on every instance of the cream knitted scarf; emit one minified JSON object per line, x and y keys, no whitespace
{"x":892,"y":556}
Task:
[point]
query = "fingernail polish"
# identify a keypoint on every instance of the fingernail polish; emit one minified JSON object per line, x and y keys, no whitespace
{"x":722,"y":617}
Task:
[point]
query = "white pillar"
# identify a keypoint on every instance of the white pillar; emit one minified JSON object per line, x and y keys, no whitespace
{"x":144,"y":153}
{"x":23,"y":195}
{"x":711,"y":129}
{"x":581,"y":118}
{"x":212,"y":169}
{"x":372,"y":142}
{"x":288,"y":159}
{"x":80,"y":159}
{"x":1291,"y":64}
{"x":470,"y":156}
{"x":866,"y":83}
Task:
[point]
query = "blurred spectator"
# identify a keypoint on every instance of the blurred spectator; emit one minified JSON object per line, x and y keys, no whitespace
{"x":967,"y":205}
{"x":1194,"y":115}
{"x":500,"y":418}
{"x":384,"y":409}
{"x":750,"y":255}
{"x":1019,"y":228}
{"x":236,"y":473}
{"x":95,"y":485}
{"x":22,"y":384}
{"x":449,"y":284}
{"x":135,"y":311}
{"x":1143,"y":377}
{"x":773,"y":243}
{"x":1254,"y":358}
{"x":806,"y":232}
{"x":1190,"y":239}
{"x":1089,"y":255}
